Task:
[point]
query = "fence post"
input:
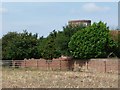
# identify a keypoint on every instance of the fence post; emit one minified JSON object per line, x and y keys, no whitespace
{"x":105,"y":65}
{"x":13,"y":63}
{"x":60,"y":64}
{"x":87,"y":65}
{"x":37,"y":63}
{"x":48,"y":64}
{"x":25,"y":63}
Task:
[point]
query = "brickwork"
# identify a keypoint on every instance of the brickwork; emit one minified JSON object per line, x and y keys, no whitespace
{"x":114,"y":34}
{"x":93,"y":65}
{"x":98,"y":65}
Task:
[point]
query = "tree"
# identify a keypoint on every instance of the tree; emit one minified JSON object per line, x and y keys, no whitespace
{"x":56,"y":44}
{"x":92,"y":42}
{"x":24,"y":45}
{"x":63,"y":38}
{"x":6,"y":40}
{"x":62,"y":43}
{"x":0,"y":48}
{"x":48,"y":46}
{"x":115,"y":34}
{"x":118,"y":50}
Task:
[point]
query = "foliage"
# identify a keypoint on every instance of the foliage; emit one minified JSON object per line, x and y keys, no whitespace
{"x":117,"y":50}
{"x":92,"y":42}
{"x":48,"y":47}
{"x":22,"y":45}
{"x":62,"y":43}
{"x":115,"y":35}
{"x":56,"y":44}
{"x":63,"y":38}
{"x":86,"y":42}
{"x":6,"y":40}
{"x":0,"y":49}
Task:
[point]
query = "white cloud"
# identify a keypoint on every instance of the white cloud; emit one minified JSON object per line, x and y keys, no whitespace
{"x":92,"y":7}
{"x":3,"y":10}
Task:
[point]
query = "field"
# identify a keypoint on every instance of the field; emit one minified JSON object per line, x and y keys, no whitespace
{"x":35,"y":78}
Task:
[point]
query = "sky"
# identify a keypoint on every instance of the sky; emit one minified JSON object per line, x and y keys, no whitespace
{"x":44,"y":17}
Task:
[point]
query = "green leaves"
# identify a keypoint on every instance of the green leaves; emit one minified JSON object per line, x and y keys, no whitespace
{"x":48,"y":48}
{"x":79,"y":41}
{"x":91,"y":42}
{"x":20,"y":45}
{"x":56,"y":44}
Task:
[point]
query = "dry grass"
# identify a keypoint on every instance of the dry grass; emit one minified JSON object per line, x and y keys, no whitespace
{"x":34,"y":78}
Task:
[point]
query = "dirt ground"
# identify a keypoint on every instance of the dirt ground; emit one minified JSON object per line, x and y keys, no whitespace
{"x":35,"y":78}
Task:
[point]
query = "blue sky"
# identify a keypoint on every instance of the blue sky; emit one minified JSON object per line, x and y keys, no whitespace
{"x":43,"y":18}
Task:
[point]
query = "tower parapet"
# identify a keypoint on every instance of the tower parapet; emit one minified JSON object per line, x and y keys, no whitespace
{"x":79,"y":22}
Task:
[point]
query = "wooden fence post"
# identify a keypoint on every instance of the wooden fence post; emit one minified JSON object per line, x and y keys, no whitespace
{"x":87,"y":65}
{"x":13,"y":63}
{"x":25,"y":63}
{"x":37,"y":63}
{"x":105,"y":65}
{"x":60,"y":64}
{"x":47,"y":64}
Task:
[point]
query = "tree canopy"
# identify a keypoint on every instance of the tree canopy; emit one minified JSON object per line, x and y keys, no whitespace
{"x":0,"y":48}
{"x":20,"y":45}
{"x":92,"y":42}
{"x":56,"y":44}
{"x":78,"y":41}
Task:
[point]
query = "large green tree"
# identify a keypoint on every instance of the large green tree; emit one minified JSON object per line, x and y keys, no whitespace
{"x":92,"y":42}
{"x":0,"y":49}
{"x":115,"y":34}
{"x":118,"y":50}
{"x":22,"y":45}
{"x":47,"y":46}
{"x":63,"y":38}
{"x":56,"y":44}
{"x":6,"y":40}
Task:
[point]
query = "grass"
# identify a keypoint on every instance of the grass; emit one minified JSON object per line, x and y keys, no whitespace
{"x":35,"y":78}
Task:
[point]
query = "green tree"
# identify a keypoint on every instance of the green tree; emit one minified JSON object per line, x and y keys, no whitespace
{"x":24,"y":45}
{"x":116,"y":38}
{"x":48,"y":46}
{"x":56,"y":44}
{"x":92,"y":42}
{"x":63,"y":38}
{"x":62,"y":43}
{"x":0,"y":49}
{"x":6,"y":40}
{"x":118,"y":50}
